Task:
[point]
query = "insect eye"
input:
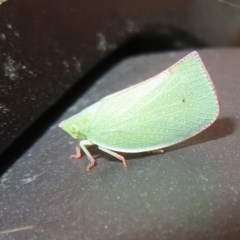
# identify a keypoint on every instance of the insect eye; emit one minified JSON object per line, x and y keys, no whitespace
{"x":74,"y":128}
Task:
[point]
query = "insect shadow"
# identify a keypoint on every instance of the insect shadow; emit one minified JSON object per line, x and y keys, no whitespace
{"x":220,"y":129}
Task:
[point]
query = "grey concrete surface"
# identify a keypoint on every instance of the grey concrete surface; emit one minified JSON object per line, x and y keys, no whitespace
{"x":191,"y":191}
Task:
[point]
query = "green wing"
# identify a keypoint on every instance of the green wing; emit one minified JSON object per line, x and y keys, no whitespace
{"x":161,"y":111}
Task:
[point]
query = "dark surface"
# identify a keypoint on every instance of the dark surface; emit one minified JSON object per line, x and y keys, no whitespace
{"x":190,"y":192}
{"x":47,"y":46}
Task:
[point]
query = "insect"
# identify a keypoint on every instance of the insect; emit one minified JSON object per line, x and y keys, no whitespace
{"x":159,"y":112}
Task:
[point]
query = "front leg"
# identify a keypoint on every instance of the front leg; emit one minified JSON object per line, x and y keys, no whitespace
{"x":83,"y":145}
{"x":78,"y":153}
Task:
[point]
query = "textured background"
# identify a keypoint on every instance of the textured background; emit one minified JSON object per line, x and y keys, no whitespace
{"x":191,"y":191}
{"x":57,"y":57}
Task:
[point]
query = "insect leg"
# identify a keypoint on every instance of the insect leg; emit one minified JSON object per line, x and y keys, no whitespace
{"x":119,"y":157}
{"x":78,"y":152}
{"x":158,"y":151}
{"x":83,"y":145}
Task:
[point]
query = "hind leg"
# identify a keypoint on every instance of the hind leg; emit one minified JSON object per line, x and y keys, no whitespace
{"x":116,"y":155}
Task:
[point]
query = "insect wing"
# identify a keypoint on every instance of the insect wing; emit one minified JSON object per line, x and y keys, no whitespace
{"x":159,"y":112}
